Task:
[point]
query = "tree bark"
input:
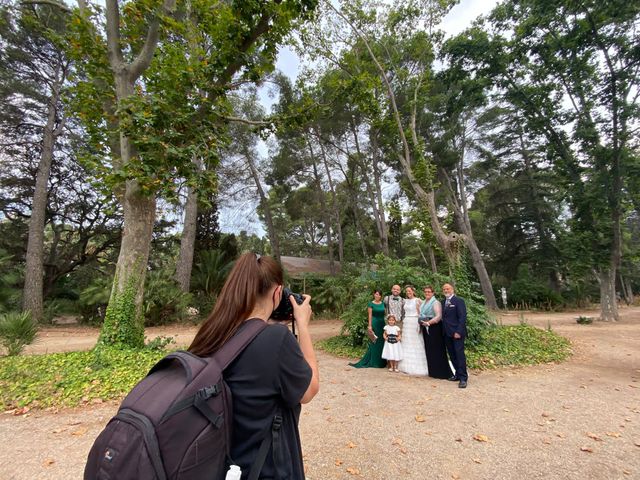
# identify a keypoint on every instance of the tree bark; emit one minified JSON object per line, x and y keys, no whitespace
{"x":184,"y":263}
{"x":32,"y":300}
{"x":608,"y":300}
{"x":334,"y":202}
{"x":264,"y":204}
{"x":323,"y":206}
{"x":383,"y":240}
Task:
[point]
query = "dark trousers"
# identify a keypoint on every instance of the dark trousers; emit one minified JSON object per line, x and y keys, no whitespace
{"x":455,"y":348}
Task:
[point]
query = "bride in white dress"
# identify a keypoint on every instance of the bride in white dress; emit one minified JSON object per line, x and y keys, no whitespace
{"x":414,"y":361}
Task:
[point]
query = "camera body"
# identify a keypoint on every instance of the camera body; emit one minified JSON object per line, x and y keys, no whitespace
{"x":284,"y":311}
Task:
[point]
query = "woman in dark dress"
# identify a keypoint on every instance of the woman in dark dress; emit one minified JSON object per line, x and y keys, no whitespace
{"x":431,"y":327}
{"x":373,"y":357}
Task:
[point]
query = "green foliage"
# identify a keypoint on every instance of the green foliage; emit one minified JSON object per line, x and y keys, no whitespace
{"x":341,"y":346}
{"x":517,"y":345}
{"x":94,"y":299}
{"x":122,"y":326}
{"x":390,"y":272}
{"x":17,"y":330}
{"x":9,"y":279}
{"x":329,"y":296}
{"x":159,"y":343}
{"x":163,"y":300}
{"x":582,"y":320}
{"x":210,"y":271}
{"x":72,"y":379}
{"x":498,"y":346}
{"x":526,"y":291}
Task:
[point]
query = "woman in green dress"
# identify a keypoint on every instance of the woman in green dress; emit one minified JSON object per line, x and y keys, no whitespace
{"x":373,"y":357}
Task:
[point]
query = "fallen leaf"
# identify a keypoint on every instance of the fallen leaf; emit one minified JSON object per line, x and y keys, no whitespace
{"x":560,"y":434}
{"x":339,"y":462}
{"x":545,"y":414}
{"x":403,"y":450}
{"x":353,"y":471}
{"x":21,"y":411}
{"x":594,"y":436}
{"x":48,"y":462}
{"x":58,"y":430}
{"x":587,"y":449}
{"x":637,"y":444}
{"x":506,"y":410}
{"x":546,"y":441}
{"x":351,"y":445}
{"x":79,"y":432}
{"x":458,"y":439}
{"x":396,"y":441}
{"x":613,"y":434}
{"x":455,"y":476}
{"x":420,"y":419}
{"x":477,"y":460}
{"x":480,"y":437}
{"x":326,"y":407}
{"x":626,"y":472}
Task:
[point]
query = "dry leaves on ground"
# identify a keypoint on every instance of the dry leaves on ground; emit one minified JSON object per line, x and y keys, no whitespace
{"x":480,"y":437}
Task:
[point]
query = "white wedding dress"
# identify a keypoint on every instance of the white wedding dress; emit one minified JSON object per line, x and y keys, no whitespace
{"x":414,"y":361}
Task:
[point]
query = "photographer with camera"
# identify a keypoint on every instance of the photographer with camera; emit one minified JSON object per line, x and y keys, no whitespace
{"x":273,"y":375}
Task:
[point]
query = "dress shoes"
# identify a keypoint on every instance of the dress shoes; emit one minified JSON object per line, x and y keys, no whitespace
{"x":462,"y":384}
{"x":453,"y":378}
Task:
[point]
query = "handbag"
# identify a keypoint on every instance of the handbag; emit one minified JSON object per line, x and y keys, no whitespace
{"x":372,"y":336}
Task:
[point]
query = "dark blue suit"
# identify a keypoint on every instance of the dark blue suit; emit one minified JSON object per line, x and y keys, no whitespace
{"x":454,"y":320}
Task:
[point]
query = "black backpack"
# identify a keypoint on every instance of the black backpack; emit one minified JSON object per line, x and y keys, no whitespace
{"x":176,"y":423}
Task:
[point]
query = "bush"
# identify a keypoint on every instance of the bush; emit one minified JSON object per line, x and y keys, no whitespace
{"x":209,"y":272}
{"x":16,"y":331}
{"x":526,"y":291}
{"x":94,"y":299}
{"x":164,"y":302}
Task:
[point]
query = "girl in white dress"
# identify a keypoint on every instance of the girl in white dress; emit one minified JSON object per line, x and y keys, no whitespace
{"x":392,"y":350}
{"x":414,"y":361}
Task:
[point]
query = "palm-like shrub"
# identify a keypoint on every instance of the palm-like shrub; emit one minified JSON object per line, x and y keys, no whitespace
{"x":209,"y":272}
{"x":17,"y":329}
{"x":163,"y":302}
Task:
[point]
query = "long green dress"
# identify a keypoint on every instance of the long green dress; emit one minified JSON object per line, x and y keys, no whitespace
{"x":373,"y":357}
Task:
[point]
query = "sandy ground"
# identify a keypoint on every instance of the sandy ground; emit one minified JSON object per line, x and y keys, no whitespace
{"x":575,"y":420}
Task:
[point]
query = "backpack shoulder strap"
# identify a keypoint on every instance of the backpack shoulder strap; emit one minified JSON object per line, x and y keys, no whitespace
{"x":236,"y":344}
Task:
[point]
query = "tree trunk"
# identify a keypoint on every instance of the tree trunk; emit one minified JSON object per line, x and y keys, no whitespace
{"x":377,"y":214}
{"x":323,"y":206}
{"x":432,"y":259}
{"x":124,"y":319}
{"x":264,"y":204}
{"x":334,"y":202}
{"x":184,"y":264}
{"x":384,"y":228}
{"x":608,"y":301}
{"x":32,"y":299}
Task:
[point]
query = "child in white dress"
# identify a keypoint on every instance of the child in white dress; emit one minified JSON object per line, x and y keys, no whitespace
{"x":392,"y":350}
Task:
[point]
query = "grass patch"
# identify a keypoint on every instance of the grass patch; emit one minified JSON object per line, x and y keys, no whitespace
{"x":73,"y":378}
{"x":499,"y":346}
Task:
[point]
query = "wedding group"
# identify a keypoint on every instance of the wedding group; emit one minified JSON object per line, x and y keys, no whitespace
{"x":423,"y":337}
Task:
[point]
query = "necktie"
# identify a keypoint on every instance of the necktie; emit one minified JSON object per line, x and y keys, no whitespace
{"x":446,"y":302}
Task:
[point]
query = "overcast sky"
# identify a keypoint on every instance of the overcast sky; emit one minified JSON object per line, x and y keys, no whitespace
{"x":242,"y":216}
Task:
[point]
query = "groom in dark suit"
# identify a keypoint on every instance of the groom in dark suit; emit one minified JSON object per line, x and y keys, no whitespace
{"x":454,"y":321}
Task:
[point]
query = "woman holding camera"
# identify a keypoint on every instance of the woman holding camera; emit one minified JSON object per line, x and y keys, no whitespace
{"x":273,"y":375}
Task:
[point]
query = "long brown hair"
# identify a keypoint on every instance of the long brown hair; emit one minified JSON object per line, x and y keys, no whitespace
{"x":250,"y":278}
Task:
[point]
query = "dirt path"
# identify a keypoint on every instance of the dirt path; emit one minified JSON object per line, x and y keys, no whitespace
{"x":576,"y":420}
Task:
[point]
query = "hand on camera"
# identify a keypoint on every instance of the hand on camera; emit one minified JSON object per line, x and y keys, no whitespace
{"x":302,"y":313}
